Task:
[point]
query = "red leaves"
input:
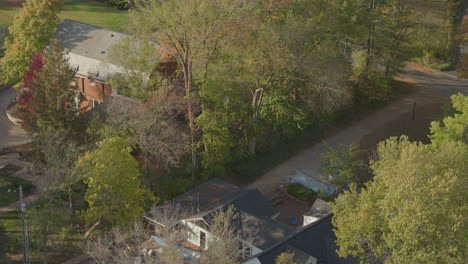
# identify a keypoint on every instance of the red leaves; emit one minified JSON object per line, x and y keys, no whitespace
{"x":37,"y":63}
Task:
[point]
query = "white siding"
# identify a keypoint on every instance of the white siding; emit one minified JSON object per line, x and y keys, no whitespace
{"x":252,"y":261}
{"x":309,"y":220}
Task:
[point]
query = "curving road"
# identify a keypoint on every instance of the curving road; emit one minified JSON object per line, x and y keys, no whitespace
{"x":10,"y":134}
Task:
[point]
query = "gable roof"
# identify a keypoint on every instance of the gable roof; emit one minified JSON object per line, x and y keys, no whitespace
{"x":319,"y":209}
{"x":316,"y":240}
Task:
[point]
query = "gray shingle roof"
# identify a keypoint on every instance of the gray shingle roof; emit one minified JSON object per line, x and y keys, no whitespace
{"x":87,"y":40}
{"x":319,"y":209}
{"x":316,"y":239}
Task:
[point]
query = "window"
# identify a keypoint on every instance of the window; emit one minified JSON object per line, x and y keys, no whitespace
{"x":202,"y":239}
{"x":95,"y":102}
{"x":245,"y":250}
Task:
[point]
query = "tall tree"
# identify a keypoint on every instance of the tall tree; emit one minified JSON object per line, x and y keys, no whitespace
{"x":452,"y":128}
{"x":191,"y":31}
{"x":420,"y":221}
{"x":32,"y":28}
{"x":114,"y":193}
{"x":54,"y":100}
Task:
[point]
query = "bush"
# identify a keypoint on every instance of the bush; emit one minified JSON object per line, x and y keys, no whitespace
{"x":445,"y":66}
{"x":120,"y":4}
{"x":301,"y":192}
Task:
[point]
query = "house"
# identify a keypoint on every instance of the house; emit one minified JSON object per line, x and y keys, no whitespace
{"x":89,"y":55}
{"x":312,"y":244}
{"x":319,"y":210}
{"x":256,"y":225}
{"x":88,"y":48}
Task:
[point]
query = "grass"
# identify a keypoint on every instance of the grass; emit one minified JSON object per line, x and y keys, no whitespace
{"x":93,"y":12}
{"x":9,"y":185}
{"x":301,"y":192}
{"x":444,"y":66}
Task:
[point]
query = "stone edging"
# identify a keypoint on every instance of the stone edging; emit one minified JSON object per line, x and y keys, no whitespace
{"x":14,"y":120}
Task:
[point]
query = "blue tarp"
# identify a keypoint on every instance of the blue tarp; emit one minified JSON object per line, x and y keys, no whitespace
{"x":312,"y":183}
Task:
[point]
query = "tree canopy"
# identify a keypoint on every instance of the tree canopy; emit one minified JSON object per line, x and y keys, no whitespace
{"x":114,"y":191}
{"x":32,"y":28}
{"x":415,"y":208}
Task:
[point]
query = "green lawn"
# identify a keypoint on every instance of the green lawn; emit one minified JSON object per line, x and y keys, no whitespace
{"x":93,"y":12}
{"x":9,"y":185}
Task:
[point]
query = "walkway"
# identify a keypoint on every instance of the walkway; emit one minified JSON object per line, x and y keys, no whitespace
{"x":10,"y":134}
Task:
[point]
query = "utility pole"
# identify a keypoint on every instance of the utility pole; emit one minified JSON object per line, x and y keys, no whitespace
{"x":25,"y":227}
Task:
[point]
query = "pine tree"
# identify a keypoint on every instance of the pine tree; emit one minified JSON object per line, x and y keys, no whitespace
{"x":53,"y":102}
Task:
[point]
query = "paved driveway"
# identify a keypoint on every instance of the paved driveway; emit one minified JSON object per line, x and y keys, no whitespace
{"x":10,"y":134}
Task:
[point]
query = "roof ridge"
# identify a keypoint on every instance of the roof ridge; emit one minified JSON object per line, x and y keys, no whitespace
{"x":291,"y":236}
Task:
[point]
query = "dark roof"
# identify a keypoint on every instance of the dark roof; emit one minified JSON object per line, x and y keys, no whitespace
{"x":206,"y":197}
{"x":262,"y":232}
{"x":253,"y":202}
{"x":316,"y":239}
{"x":319,"y":209}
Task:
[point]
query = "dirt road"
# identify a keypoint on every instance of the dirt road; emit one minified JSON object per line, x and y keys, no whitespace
{"x":433,"y":90}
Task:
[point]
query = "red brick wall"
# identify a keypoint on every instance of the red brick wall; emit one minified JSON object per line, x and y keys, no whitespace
{"x":99,"y":91}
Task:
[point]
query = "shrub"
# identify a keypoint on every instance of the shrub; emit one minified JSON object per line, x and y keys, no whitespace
{"x":120,"y":4}
{"x":301,"y":192}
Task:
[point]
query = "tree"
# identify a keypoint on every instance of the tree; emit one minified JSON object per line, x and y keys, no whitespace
{"x":224,"y":246}
{"x":452,"y":128}
{"x":53,"y":101}
{"x":344,"y":165}
{"x":24,"y":100}
{"x":158,"y":140}
{"x":285,"y":258}
{"x":32,"y":28}
{"x":46,"y":219}
{"x":114,"y":193}
{"x":58,"y":155}
{"x":413,"y":211}
{"x":191,"y":32}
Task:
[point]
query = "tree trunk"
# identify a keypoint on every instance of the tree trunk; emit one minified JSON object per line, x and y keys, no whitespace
{"x":44,"y":243}
{"x":256,"y":102}
{"x":188,"y":94}
{"x":89,"y":231}
{"x":370,"y":40}
{"x":70,"y":198}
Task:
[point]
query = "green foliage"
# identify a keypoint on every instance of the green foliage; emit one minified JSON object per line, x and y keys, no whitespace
{"x":168,"y":188}
{"x":301,"y":192}
{"x":139,"y":63}
{"x":32,"y":28}
{"x":413,"y":211}
{"x":121,"y":4}
{"x":9,"y":186}
{"x":344,"y":165}
{"x":114,"y":191}
{"x":445,"y":66}
{"x":53,"y":102}
{"x":454,"y":127}
{"x":285,"y":258}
